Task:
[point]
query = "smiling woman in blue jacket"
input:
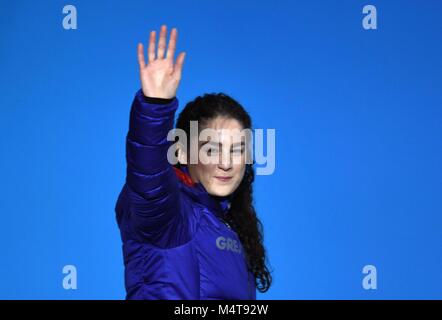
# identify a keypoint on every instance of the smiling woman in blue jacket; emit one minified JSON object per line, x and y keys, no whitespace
{"x":189,"y":230}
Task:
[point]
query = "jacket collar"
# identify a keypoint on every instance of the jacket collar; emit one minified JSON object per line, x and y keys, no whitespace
{"x":196,"y":190}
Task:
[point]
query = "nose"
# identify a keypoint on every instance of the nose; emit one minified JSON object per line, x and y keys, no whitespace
{"x":226,"y":162}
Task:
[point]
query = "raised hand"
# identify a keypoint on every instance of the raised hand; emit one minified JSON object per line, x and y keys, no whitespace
{"x":160,"y":77}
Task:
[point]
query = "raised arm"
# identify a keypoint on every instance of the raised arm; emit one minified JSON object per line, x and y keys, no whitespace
{"x":151,"y":191}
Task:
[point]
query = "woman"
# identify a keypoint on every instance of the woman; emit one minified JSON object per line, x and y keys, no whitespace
{"x":189,"y":231}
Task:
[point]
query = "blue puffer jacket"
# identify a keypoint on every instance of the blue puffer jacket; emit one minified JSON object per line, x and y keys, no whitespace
{"x":175,"y":244}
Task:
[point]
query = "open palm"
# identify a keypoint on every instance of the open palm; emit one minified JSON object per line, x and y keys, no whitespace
{"x":160,"y":77}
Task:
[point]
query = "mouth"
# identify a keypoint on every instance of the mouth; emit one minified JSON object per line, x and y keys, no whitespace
{"x":224,"y":179}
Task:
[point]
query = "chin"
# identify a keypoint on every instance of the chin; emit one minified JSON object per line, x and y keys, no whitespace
{"x":221,"y":191}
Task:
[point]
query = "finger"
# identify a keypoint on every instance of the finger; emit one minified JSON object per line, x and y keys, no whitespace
{"x":172,"y":44}
{"x":162,"y":42}
{"x":178,"y":69}
{"x":141,"y":61}
{"x":151,"y":49}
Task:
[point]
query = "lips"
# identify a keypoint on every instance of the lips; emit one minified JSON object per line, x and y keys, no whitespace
{"x":224,"y":179}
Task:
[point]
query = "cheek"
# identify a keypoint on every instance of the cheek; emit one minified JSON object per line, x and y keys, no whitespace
{"x":240,"y":158}
{"x":206,"y":171}
{"x":239,"y":173}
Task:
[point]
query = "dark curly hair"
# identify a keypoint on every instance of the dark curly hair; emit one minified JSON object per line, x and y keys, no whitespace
{"x":241,"y":215}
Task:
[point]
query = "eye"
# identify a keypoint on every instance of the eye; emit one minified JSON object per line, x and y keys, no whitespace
{"x":211,"y":151}
{"x":238,"y":151}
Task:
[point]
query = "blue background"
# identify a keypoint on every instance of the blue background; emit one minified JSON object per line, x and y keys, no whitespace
{"x":358,"y":119}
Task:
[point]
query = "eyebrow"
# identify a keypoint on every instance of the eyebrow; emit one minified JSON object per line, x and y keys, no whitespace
{"x":241,"y":144}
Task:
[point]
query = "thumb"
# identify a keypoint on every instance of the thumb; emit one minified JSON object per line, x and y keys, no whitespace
{"x":179,"y":65}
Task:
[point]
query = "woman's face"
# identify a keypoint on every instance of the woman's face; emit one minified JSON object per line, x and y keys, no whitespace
{"x":222,"y":159}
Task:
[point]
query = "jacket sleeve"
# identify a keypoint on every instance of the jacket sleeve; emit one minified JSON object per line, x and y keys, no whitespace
{"x":152,"y":185}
